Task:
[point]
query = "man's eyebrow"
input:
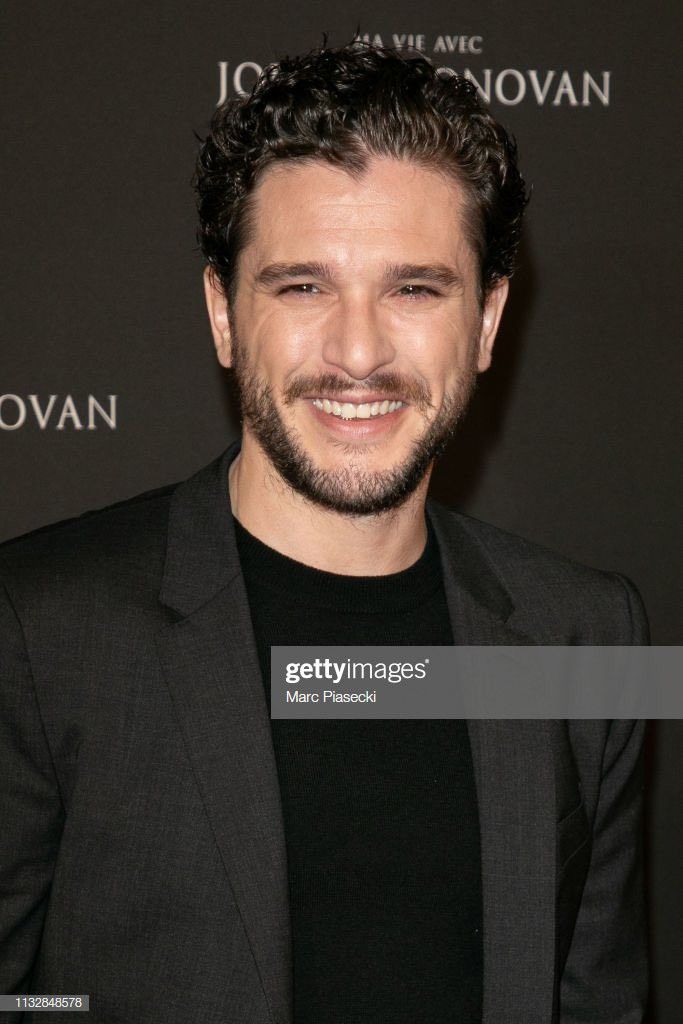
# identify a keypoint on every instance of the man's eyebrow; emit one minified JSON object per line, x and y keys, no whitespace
{"x":274,"y":272}
{"x":437,"y":273}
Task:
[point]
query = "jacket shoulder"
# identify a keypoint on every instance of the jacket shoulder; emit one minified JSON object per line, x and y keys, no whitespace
{"x":512,"y":554}
{"x":123,"y":543}
{"x":555,"y":597}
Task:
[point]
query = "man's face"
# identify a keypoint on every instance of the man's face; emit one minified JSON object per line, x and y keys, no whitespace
{"x":356,"y":332}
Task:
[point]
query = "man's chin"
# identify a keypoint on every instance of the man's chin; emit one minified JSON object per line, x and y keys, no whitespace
{"x":350,"y":475}
{"x":352,"y":490}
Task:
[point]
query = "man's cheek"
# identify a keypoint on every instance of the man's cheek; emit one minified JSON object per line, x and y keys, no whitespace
{"x":285,"y":349}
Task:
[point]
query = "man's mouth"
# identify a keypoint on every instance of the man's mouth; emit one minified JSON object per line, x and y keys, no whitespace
{"x":353,"y":411}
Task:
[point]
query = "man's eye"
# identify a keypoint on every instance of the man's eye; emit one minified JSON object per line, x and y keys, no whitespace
{"x":301,"y":289}
{"x":417,"y":291}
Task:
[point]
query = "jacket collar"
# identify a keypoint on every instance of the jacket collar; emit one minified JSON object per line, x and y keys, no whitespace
{"x":211,"y":667}
{"x":202,"y":559}
{"x":201,"y":551}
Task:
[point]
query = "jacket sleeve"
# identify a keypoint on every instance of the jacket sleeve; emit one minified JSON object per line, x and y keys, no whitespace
{"x":605,"y":980}
{"x":31,"y":813}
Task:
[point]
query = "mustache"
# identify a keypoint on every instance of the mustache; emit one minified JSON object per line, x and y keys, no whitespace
{"x":393,"y":385}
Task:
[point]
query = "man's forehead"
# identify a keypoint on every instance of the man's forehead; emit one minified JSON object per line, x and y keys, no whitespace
{"x":397,"y":204}
{"x":385,"y":183}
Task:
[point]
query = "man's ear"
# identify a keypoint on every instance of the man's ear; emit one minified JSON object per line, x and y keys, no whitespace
{"x":490,"y":319}
{"x":217,"y":306}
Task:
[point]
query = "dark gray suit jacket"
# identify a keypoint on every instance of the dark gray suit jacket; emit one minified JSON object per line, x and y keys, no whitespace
{"x":142,"y":857}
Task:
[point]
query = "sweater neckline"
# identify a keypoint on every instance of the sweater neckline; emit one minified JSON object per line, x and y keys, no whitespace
{"x":264,"y":567}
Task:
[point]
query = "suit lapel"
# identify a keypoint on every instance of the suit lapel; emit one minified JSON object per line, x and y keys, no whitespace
{"x":514,"y":766}
{"x":211,"y":667}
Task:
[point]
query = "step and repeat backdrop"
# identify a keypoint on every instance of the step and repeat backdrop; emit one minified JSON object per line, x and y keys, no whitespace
{"x":108,"y":380}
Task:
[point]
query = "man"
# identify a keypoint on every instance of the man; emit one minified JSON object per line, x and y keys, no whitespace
{"x":169,"y":850}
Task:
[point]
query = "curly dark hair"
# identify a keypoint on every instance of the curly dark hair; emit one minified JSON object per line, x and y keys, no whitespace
{"x":345,"y":105}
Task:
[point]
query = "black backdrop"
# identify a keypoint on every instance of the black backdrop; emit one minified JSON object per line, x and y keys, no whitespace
{"x":574,"y":437}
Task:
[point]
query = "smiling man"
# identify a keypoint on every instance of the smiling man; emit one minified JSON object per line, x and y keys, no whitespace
{"x":356,"y":332}
{"x":168,"y":849}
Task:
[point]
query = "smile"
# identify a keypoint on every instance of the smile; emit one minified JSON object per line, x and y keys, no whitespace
{"x":350,"y":411}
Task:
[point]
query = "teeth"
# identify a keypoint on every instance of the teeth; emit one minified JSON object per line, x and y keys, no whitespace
{"x":349,"y":411}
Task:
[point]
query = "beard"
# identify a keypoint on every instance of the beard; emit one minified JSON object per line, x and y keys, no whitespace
{"x":351,"y":489}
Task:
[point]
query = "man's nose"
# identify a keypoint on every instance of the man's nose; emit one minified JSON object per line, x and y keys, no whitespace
{"x":357,"y":342}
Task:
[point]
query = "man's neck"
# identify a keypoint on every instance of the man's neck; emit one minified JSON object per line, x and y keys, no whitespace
{"x":273,"y":512}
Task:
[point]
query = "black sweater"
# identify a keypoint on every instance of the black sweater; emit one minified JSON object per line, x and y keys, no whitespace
{"x":380,"y":817}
